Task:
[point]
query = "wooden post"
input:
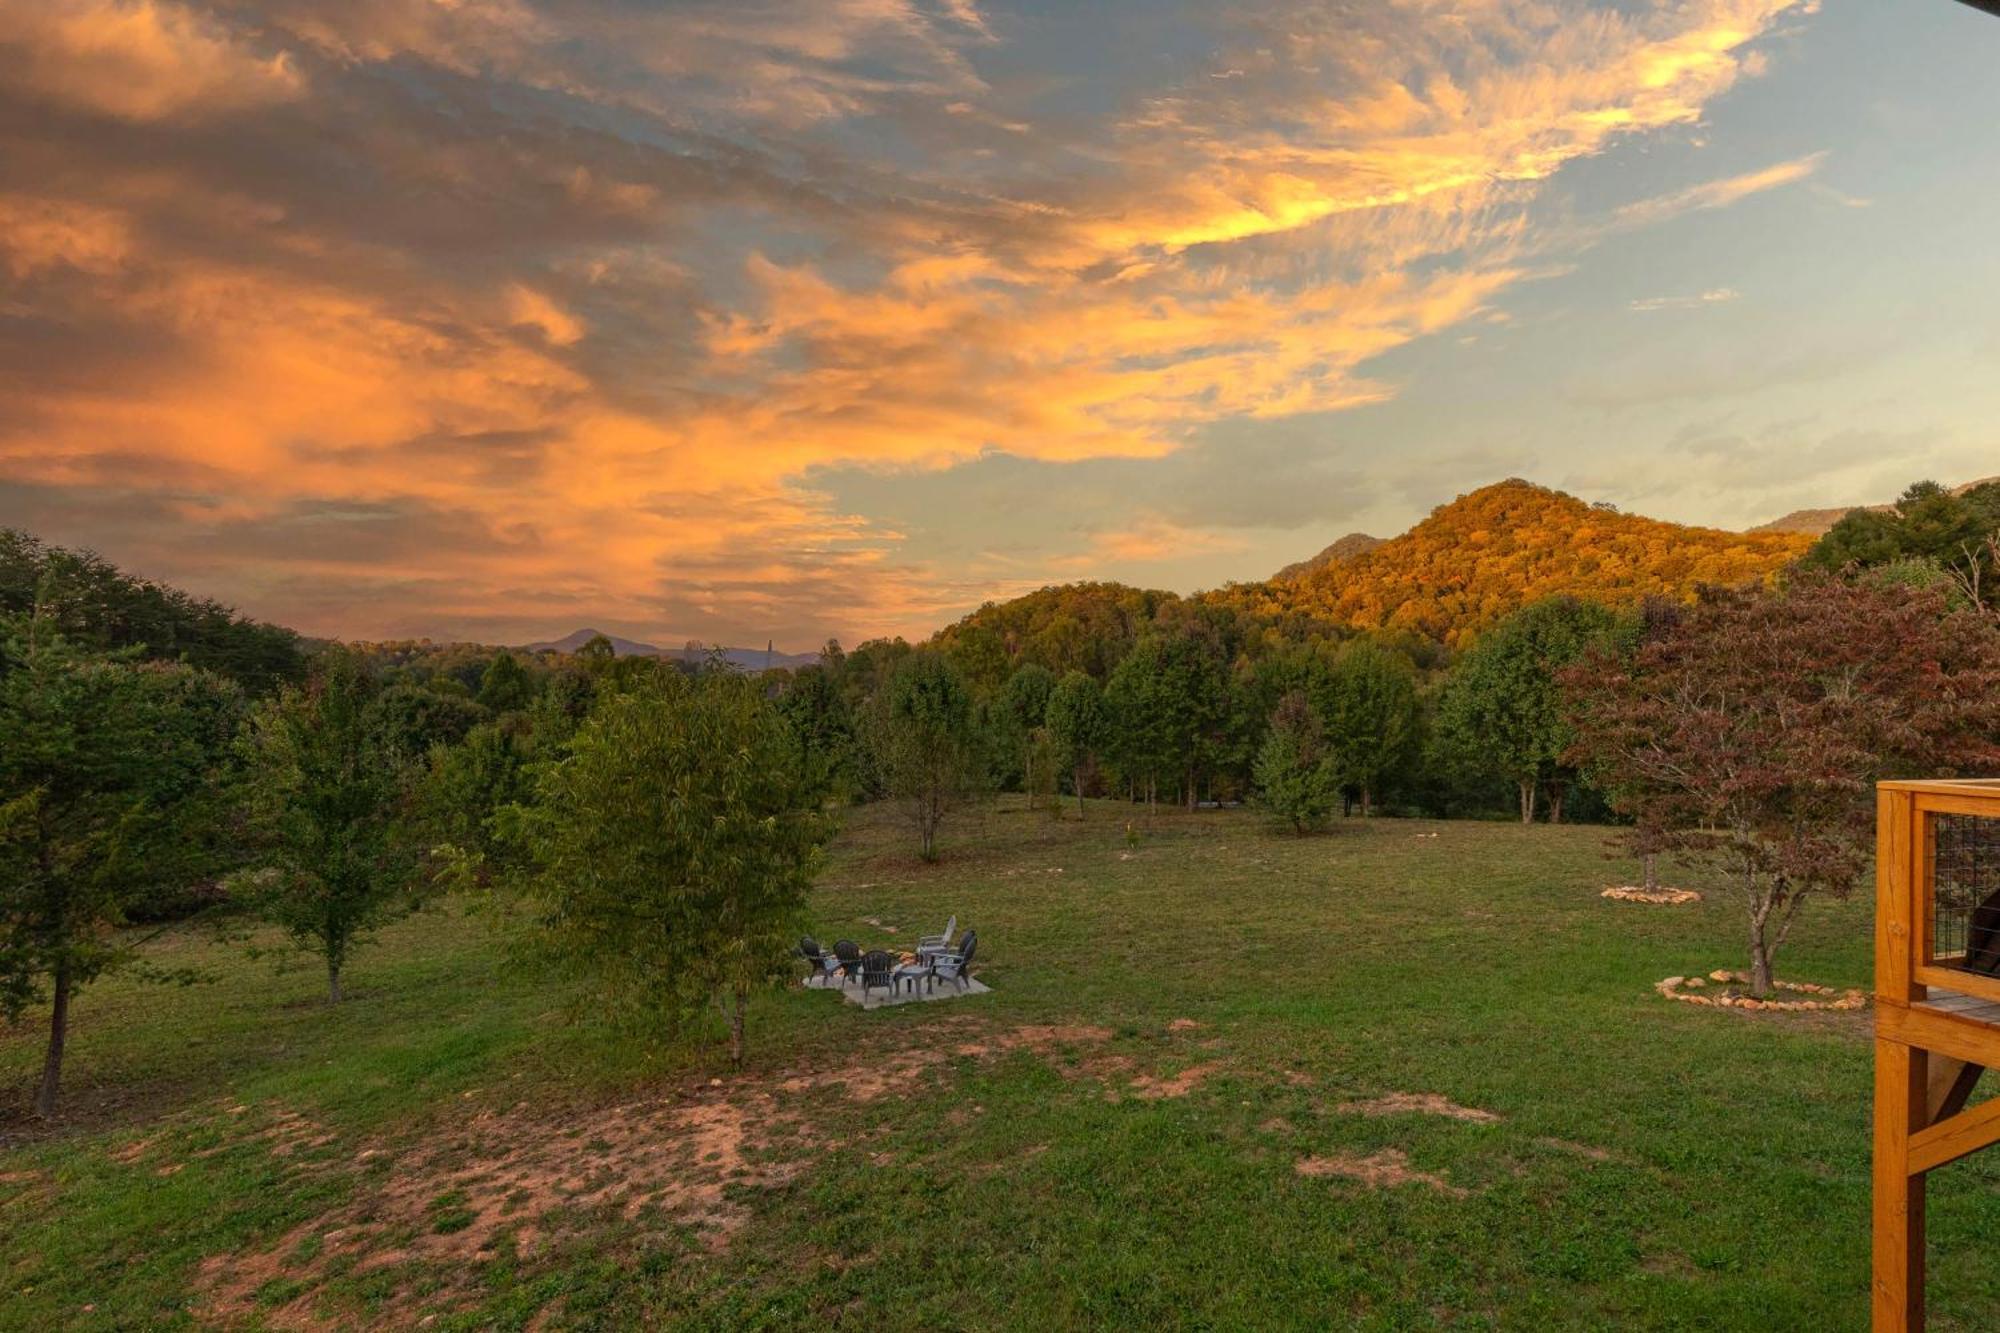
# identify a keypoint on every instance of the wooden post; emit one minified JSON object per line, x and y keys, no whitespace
{"x":1899,"y":1195}
{"x":1902,"y":1089}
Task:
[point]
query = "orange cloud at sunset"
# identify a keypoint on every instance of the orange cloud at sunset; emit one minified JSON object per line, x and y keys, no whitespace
{"x":395,"y":317}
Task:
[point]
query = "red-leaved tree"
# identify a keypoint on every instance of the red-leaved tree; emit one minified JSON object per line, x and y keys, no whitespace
{"x":1749,"y":730}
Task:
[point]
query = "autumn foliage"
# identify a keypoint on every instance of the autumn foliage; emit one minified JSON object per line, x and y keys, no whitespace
{"x":1748,"y":730}
{"x":1488,"y":554}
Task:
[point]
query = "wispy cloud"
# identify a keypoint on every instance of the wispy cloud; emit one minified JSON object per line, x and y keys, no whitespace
{"x":1717,"y":193}
{"x":586,"y":290}
{"x":1713,"y":296}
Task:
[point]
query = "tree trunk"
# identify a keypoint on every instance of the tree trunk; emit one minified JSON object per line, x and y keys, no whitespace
{"x":1557,"y":790}
{"x":1190,"y":789}
{"x":332,"y":981}
{"x":1367,"y":803}
{"x":736,"y":1027}
{"x":1079,"y":791}
{"x":1651,"y":870}
{"x":1527,"y":786}
{"x":45,"y":1096}
{"x":1760,"y":963}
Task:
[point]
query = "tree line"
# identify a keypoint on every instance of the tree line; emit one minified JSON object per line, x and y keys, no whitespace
{"x":648,"y":829}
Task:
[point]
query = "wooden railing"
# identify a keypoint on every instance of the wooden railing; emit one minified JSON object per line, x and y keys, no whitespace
{"x":1937,"y":1012}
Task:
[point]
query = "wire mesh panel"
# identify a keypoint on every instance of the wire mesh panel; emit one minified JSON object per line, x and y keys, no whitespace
{"x":1965,"y":879}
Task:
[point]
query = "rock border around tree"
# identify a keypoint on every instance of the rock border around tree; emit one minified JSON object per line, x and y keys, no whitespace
{"x":1632,"y":893}
{"x":1680,"y":988}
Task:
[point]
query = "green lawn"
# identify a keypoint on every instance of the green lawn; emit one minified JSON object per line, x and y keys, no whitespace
{"x":1152,"y":1120}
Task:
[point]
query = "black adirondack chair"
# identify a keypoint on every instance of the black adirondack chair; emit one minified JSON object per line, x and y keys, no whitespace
{"x":877,"y":969}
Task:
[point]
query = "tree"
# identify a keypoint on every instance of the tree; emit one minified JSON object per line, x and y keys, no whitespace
{"x":412,"y":718}
{"x":100,"y":608}
{"x":1372,"y":716}
{"x":325,"y":792}
{"x":465,"y":785}
{"x":668,"y":857}
{"x":822,"y":723}
{"x":925,"y":744}
{"x":506,"y":686}
{"x":1076,"y":724}
{"x":1503,"y":708}
{"x":1958,"y":532}
{"x":1166,"y":701}
{"x":109,"y":789}
{"x":1750,"y":733}
{"x":1296,"y":772}
{"x":1023,"y":705}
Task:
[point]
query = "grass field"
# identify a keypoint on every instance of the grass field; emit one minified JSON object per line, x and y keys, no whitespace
{"x":1196,"y":1098}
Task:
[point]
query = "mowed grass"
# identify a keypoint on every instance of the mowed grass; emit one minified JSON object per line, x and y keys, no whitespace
{"x":1151,"y":1120}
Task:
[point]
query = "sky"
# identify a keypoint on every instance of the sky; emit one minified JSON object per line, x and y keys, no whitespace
{"x":745,"y":319}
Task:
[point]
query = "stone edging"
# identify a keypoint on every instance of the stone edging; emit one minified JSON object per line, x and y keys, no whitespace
{"x":1678,"y":988}
{"x":1626,"y":893}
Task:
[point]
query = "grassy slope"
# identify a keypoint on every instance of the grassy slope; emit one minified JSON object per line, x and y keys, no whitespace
{"x":1653,"y":1165}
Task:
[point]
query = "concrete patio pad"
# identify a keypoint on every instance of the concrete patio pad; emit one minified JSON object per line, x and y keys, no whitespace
{"x":880,"y":999}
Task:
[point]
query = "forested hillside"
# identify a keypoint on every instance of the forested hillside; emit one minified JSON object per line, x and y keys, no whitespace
{"x":1503,"y":547}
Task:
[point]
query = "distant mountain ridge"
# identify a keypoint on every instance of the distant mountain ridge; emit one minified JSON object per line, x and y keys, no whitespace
{"x":1353,"y":544}
{"x":749,"y":659}
{"x":1819,"y":522}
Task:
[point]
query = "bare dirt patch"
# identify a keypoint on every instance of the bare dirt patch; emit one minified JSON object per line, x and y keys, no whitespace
{"x":1417,"y":1103}
{"x":1633,"y":893}
{"x":1386,"y":1169}
{"x":1183,"y":1025}
{"x":1585,"y":1150}
{"x":514,"y":1179}
{"x":1149,"y":1088}
{"x":519,"y":1179}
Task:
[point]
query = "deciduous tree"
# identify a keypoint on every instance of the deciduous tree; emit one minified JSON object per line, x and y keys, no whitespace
{"x":667,"y":858}
{"x":1372,"y":716}
{"x":925,"y":745}
{"x":1297,"y":774}
{"x":109,"y":793}
{"x":325,"y":796}
{"x":1076,"y":725}
{"x":1503,"y":707}
{"x":1750,"y":732}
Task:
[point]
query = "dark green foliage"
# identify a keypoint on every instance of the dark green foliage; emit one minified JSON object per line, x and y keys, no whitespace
{"x":412,"y":719}
{"x":1076,"y":723}
{"x":324,"y":805}
{"x":109,"y":794}
{"x":1959,"y":534}
{"x":1503,"y":709}
{"x":1015,"y":721}
{"x":466,"y":784}
{"x":99,"y":607}
{"x":1370,"y":709}
{"x":506,"y":686}
{"x":1298,"y":776}
{"x":667,"y":858}
{"x":822,"y":725}
{"x":1168,"y":703}
{"x":924,"y":743}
